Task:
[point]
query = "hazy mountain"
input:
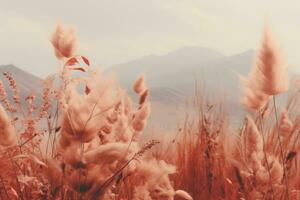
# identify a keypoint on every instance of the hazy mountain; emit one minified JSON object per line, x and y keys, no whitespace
{"x":156,"y":66}
{"x":172,"y":76}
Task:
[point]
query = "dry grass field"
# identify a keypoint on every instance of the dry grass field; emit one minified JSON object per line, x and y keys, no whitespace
{"x":84,"y":140}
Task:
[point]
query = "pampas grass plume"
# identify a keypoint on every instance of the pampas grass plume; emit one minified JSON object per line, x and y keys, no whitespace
{"x":276,"y":169}
{"x":8,"y":135}
{"x":285,"y":124}
{"x":64,"y":42}
{"x":254,"y":139}
{"x":144,"y":112}
{"x":269,"y":75}
{"x":139,"y":85}
{"x":183,"y":194}
{"x":271,"y":70}
{"x":138,"y":125}
{"x":253,"y":98}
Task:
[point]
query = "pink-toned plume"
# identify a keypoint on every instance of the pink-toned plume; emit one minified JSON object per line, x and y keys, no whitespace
{"x":8,"y":135}
{"x":254,"y":139}
{"x":253,"y":98}
{"x":64,"y":42}
{"x":271,"y":70}
{"x":139,"y":85}
{"x":269,"y":75}
{"x":285,"y":123}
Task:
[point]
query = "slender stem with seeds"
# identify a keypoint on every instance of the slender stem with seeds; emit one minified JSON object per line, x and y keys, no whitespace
{"x":265,"y":153}
{"x":281,"y":150}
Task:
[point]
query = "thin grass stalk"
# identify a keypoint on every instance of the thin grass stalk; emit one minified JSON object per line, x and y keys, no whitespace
{"x":169,"y":145}
{"x":108,"y":181}
{"x":16,"y":177}
{"x":265,"y":154}
{"x":1,"y":195}
{"x":50,"y":129}
{"x":281,"y":150}
{"x":49,"y":135}
{"x":5,"y":190}
{"x":54,"y":125}
{"x":295,"y":140}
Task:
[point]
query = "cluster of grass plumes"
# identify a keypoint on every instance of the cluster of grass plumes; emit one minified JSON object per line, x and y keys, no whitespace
{"x":215,"y":161}
{"x":259,"y":160}
{"x":82,"y":141}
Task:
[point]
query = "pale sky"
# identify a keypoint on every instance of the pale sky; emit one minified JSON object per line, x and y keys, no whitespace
{"x":116,"y":31}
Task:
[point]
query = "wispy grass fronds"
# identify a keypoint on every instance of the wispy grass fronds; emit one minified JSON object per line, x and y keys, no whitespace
{"x":269,"y":75}
{"x":8,"y":135}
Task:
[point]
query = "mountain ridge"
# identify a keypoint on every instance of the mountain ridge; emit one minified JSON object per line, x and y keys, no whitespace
{"x":171,"y":77}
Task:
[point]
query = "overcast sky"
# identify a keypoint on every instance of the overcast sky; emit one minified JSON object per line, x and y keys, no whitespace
{"x":116,"y":31}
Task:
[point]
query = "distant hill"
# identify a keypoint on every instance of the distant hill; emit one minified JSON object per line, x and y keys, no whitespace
{"x":174,"y":75}
{"x":157,"y":66}
{"x":171,"y":78}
